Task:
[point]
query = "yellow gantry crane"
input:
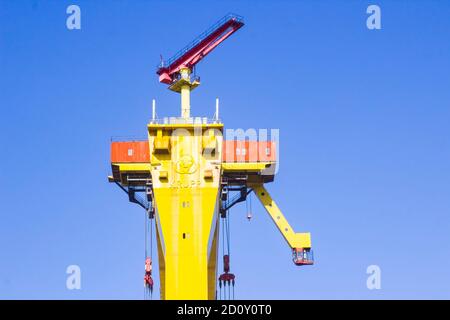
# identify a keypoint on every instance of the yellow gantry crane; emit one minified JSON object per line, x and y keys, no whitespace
{"x":187,"y":171}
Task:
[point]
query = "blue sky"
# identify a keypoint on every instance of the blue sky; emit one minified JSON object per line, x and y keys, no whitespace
{"x":364,"y":141}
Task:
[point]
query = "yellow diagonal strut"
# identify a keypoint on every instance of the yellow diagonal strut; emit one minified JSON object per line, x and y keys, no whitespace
{"x":295,"y":240}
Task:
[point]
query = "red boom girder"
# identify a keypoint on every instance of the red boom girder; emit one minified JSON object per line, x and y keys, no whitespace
{"x":199,"y":48}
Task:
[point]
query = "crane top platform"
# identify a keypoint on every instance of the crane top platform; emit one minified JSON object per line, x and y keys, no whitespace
{"x":241,"y":161}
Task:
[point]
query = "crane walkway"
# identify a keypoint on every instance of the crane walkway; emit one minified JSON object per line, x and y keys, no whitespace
{"x":227,"y":19}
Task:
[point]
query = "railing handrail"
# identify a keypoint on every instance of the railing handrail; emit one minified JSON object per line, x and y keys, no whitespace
{"x":199,"y":38}
{"x":181,"y":120}
{"x":129,"y":138}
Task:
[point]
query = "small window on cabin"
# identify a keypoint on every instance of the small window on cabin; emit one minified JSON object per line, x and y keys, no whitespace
{"x":130,"y":152}
{"x":267,"y":151}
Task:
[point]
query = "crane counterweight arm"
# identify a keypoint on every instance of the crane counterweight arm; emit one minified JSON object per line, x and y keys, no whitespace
{"x":295,"y":240}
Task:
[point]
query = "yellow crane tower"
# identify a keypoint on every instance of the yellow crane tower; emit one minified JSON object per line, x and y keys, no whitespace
{"x":187,"y":170}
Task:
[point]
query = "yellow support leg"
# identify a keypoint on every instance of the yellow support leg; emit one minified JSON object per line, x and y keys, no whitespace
{"x":295,"y":240}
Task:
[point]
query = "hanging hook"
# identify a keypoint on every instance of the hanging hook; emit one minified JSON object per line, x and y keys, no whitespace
{"x":248,"y":205}
{"x":148,"y":280}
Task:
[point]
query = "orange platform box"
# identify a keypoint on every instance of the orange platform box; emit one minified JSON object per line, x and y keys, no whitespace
{"x":240,"y":151}
{"x":251,"y":151}
{"x":234,"y":151}
{"x":228,"y":151}
{"x":248,"y":151}
{"x":267,"y":151}
{"x":130,"y":151}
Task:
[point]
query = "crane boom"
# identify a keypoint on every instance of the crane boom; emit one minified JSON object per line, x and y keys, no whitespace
{"x":195,"y":51}
{"x":294,"y":240}
{"x":300,"y":243}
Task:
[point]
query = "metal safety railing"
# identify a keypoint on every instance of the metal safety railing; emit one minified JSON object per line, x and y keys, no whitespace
{"x":200,"y":38}
{"x":166,"y":120}
{"x":190,"y":120}
{"x":129,"y":138}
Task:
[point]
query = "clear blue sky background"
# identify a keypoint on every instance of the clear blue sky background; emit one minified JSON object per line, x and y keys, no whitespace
{"x":364,"y":128}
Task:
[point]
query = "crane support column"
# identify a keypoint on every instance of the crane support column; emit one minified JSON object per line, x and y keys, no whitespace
{"x":185,"y":92}
{"x":295,"y":240}
{"x":185,"y":101}
{"x":185,"y":164}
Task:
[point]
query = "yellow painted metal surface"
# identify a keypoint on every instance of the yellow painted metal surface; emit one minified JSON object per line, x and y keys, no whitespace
{"x":170,"y":126}
{"x":295,"y":240}
{"x":185,"y":101}
{"x":186,"y":169}
{"x":134,"y":167}
{"x":121,"y":171}
{"x":245,"y":166}
{"x":186,"y":211}
{"x":184,"y":86}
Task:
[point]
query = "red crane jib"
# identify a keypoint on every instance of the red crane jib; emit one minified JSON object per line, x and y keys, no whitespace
{"x":198,"y":51}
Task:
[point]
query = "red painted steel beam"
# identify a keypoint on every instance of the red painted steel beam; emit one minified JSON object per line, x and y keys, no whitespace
{"x":194,"y":55}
